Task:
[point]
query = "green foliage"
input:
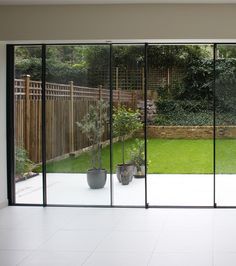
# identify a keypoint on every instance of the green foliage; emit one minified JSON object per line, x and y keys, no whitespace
{"x":88,"y":65}
{"x":184,"y":113}
{"x":225,"y":85}
{"x":226,"y":51}
{"x":128,"y":56}
{"x":93,"y":126}
{"x":162,"y":120}
{"x":22,"y":162}
{"x":125,"y":123}
{"x":28,"y":61}
{"x":180,"y":117}
{"x":83,"y":64}
{"x":137,"y":153}
{"x":198,"y":80}
{"x":185,"y":119}
{"x":177,"y":55}
{"x":192,"y":104}
{"x":170,"y":105}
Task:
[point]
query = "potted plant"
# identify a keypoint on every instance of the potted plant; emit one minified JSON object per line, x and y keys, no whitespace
{"x":93,"y":126}
{"x":125,"y":123}
{"x":138,"y":158}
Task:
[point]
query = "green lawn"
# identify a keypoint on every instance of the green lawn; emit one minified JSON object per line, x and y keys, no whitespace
{"x":166,"y":156}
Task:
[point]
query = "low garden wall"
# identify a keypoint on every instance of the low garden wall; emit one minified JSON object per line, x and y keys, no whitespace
{"x":190,"y":132}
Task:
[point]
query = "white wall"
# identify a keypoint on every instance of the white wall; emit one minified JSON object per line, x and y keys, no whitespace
{"x":106,"y":22}
{"x":3,"y":161}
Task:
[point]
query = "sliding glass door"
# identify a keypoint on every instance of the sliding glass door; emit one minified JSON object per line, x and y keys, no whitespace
{"x":128,"y":122}
{"x":78,"y":124}
{"x":225,"y":148}
{"x":123,"y":124}
{"x":180,"y":125}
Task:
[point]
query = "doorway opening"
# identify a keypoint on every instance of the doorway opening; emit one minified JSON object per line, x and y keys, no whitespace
{"x":139,"y":125}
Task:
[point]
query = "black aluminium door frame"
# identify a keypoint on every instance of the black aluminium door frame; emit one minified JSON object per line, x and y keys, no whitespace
{"x":10,"y":121}
{"x":43,"y":133}
{"x":10,"y":124}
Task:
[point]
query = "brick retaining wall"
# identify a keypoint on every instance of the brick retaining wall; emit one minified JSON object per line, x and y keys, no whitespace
{"x":190,"y":132}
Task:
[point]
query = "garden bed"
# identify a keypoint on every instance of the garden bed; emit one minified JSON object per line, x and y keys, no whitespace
{"x":20,"y":178}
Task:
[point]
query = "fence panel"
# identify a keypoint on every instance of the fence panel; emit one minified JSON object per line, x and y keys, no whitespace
{"x":65,"y":105}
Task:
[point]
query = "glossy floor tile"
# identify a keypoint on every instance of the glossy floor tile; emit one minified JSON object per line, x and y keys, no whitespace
{"x":61,"y":258}
{"x":104,"y":237}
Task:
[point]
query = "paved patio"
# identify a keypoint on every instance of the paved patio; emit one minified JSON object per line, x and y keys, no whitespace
{"x":172,"y":189}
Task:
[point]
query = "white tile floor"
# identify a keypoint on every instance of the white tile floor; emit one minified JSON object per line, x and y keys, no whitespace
{"x":162,"y":190}
{"x":172,"y":189}
{"x":107,"y":237}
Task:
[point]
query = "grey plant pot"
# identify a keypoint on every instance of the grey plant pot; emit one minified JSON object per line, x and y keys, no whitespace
{"x":140,"y":174}
{"x":96,"y":178}
{"x":125,"y":173}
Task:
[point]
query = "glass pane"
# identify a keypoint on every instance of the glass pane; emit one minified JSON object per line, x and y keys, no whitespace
{"x":128,"y":124}
{"x":180,"y":125}
{"x":77,"y":124}
{"x":27,"y":124}
{"x":226,"y":125}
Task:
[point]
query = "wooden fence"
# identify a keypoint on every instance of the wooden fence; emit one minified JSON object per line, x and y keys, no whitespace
{"x":134,"y":78}
{"x":128,"y":79}
{"x":65,"y":105}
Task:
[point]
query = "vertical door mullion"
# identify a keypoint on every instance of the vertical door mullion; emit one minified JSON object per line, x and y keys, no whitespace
{"x":111,"y":130}
{"x":214,"y":124}
{"x":44,"y":124}
{"x":10,"y":124}
{"x":145,"y":118}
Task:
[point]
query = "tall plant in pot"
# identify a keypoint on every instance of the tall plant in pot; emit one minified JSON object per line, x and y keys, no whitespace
{"x":125,"y":123}
{"x":93,"y":126}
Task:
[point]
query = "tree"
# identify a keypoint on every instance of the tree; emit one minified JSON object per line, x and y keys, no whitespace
{"x":93,"y":126}
{"x":125,"y":123}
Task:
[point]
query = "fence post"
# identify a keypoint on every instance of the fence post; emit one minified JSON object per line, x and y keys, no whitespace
{"x":100,"y":93}
{"x":168,"y":79}
{"x":143,"y":80}
{"x":126,"y":79}
{"x":133,"y":103}
{"x":117,"y":78}
{"x":71,"y":117}
{"x":27,"y":113}
{"x":118,"y":97}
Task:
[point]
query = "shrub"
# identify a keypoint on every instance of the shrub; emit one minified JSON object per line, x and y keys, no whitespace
{"x":138,"y":153}
{"x":225,"y":85}
{"x":198,"y":80}
{"x":167,"y":106}
{"x":22,"y":162}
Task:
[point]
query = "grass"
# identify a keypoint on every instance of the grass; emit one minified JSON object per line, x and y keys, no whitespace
{"x":166,"y":157}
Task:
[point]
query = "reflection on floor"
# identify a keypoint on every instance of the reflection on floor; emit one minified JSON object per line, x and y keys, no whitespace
{"x":162,"y":190}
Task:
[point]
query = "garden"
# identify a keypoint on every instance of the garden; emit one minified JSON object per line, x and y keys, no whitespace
{"x":190,"y":100}
{"x":163,"y":156}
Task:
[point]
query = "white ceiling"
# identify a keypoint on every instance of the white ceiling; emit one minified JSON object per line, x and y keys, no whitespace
{"x":69,"y":2}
